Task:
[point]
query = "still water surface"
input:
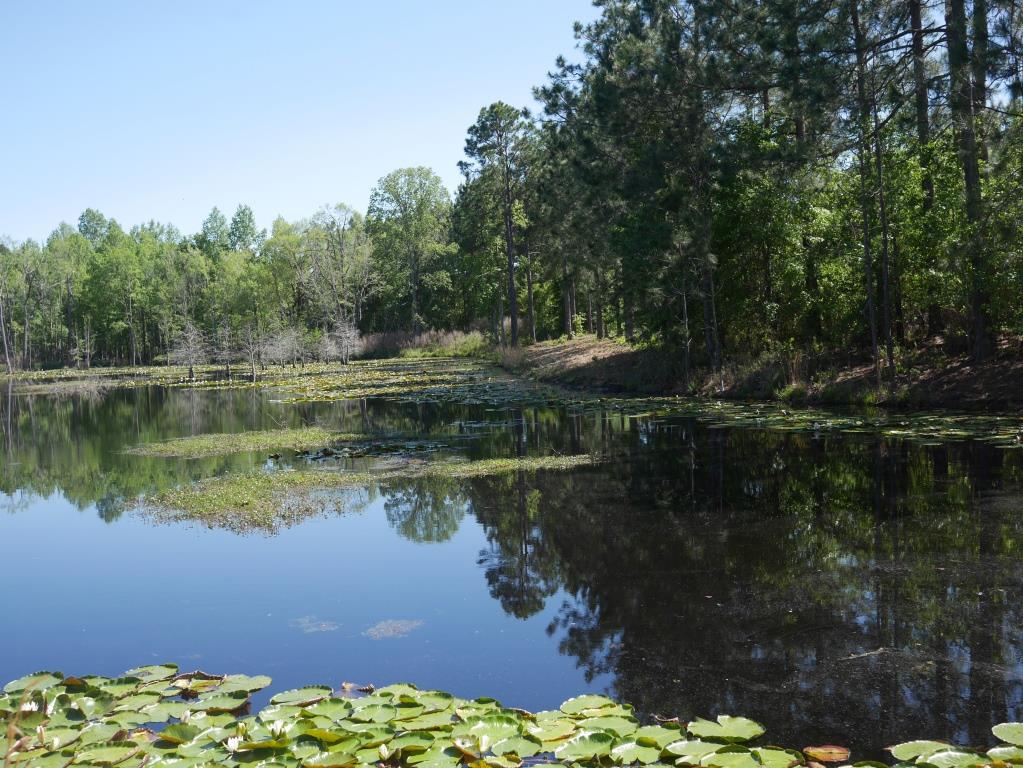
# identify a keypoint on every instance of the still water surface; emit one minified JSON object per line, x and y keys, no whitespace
{"x":838,"y":588}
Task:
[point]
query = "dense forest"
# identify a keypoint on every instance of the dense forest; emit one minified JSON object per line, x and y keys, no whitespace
{"x":730,"y":181}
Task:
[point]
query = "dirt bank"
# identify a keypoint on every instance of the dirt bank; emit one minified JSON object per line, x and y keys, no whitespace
{"x":929,"y":377}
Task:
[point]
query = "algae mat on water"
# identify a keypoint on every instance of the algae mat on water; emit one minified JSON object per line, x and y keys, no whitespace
{"x":219,"y":444}
{"x":157,"y":716}
{"x":268,"y":501}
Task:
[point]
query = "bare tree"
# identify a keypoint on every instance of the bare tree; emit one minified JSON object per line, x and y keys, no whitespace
{"x":251,"y":347}
{"x":283,"y":347}
{"x":348,"y":339}
{"x":189,"y":348}
{"x":223,"y":348}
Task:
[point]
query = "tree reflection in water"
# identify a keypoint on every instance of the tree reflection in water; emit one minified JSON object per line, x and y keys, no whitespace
{"x":838,"y":588}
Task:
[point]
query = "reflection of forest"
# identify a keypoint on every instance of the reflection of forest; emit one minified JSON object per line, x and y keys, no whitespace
{"x":838,"y":589}
{"x":835,"y":589}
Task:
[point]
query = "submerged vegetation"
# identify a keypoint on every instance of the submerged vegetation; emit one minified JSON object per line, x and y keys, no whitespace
{"x":156,"y":715}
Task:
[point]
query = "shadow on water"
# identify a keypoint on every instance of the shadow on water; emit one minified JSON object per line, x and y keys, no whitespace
{"x":840,"y":588}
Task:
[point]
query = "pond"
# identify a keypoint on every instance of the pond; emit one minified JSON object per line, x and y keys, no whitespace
{"x":839,"y":587}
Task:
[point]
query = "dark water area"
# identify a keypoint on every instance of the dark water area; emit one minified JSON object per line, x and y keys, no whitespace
{"x":838,"y":588}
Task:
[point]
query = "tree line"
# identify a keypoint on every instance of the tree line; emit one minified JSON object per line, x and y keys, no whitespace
{"x":730,"y":180}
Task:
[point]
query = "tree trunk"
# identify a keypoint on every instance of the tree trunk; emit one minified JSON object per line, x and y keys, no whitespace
{"x":865,"y":207}
{"x":531,"y":307}
{"x":961,"y":102}
{"x":509,"y":240}
{"x":3,"y":335}
{"x":566,"y":296}
{"x":886,"y":292}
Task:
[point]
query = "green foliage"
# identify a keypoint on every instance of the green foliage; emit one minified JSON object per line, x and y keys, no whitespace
{"x":158,"y":716}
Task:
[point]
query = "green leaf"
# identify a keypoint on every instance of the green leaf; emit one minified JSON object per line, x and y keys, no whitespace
{"x":911,"y":750}
{"x":494,"y":728}
{"x":728,"y":758}
{"x":153,"y":672}
{"x":690,"y":752}
{"x":221,"y":702}
{"x":953,"y":758}
{"x":331,"y":760}
{"x":632,"y":752}
{"x":583,"y":704}
{"x":335,"y":709}
{"x":375,"y":713}
{"x":1011,"y":733}
{"x":727,"y":728}
{"x":37,"y":681}
{"x":656,"y":736}
{"x":108,"y":753}
{"x":179,"y":733}
{"x":523,"y":746}
{"x":303,"y":696}
{"x":587,"y":745}
{"x":1006,"y":753}
{"x":552,"y":730}
{"x":245,"y":683}
{"x":620,"y":725}
{"x":778,"y":758}
{"x":429,"y":722}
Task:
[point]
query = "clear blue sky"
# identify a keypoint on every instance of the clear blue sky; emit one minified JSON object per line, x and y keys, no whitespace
{"x":161,"y":110}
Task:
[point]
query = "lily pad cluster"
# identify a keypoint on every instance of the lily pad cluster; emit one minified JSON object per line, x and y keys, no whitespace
{"x":158,"y":716}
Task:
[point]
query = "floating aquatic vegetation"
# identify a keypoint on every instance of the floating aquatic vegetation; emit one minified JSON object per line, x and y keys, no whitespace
{"x":311,"y":625}
{"x":269,"y":501}
{"x":218,"y":444}
{"x":158,"y":716}
{"x":392,"y":628}
{"x":251,"y":501}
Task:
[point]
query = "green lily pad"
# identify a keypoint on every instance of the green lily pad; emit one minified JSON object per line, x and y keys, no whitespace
{"x":37,"y":681}
{"x":153,"y":672}
{"x":656,"y":736}
{"x":245,"y":683}
{"x":523,"y":746}
{"x":375,"y":713}
{"x":1006,"y":754}
{"x":1011,"y":733}
{"x":552,"y":730}
{"x":727,"y":758}
{"x":619,"y":725}
{"x":631,"y":752}
{"x":587,"y":745}
{"x":954,"y":758}
{"x":303,"y":696}
{"x":108,"y":753}
{"x":778,"y":758}
{"x":727,"y":728}
{"x":179,"y":733}
{"x":494,"y":728}
{"x":690,"y":752}
{"x":911,"y":750}
{"x":583,"y":704}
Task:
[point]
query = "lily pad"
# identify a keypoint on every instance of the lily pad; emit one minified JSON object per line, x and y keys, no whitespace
{"x":583,"y":704}
{"x":587,"y":745}
{"x":1011,"y":733}
{"x":911,"y":750}
{"x":303,"y":696}
{"x":827,"y":753}
{"x":523,"y":746}
{"x":727,"y":728}
{"x":630,"y":752}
